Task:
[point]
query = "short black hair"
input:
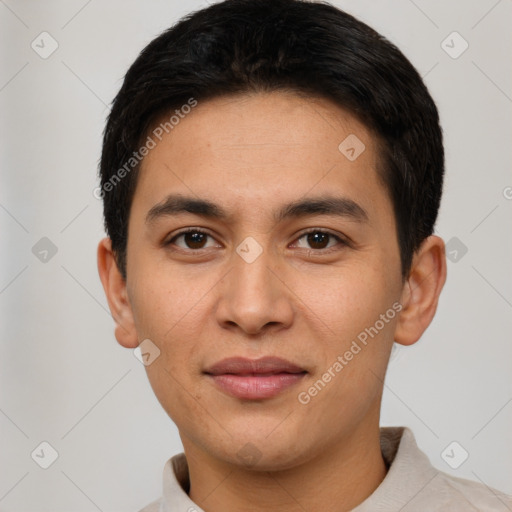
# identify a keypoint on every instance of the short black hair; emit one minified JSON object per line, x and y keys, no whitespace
{"x":313,"y":48}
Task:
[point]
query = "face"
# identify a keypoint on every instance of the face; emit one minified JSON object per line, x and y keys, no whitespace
{"x":253,"y":236}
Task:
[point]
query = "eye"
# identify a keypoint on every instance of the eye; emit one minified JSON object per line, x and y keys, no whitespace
{"x":192,"y":238}
{"x":196,"y":239}
{"x":318,"y":240}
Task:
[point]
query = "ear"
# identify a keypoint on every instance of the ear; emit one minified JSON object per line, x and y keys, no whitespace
{"x":421,"y":291}
{"x":117,"y":296}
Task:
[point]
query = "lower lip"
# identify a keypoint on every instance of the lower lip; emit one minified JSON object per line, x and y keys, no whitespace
{"x":254,"y":387}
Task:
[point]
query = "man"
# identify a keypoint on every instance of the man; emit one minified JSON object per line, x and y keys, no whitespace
{"x":271,"y":175}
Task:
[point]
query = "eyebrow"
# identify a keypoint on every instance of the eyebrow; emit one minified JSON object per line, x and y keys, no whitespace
{"x":323,"y":205}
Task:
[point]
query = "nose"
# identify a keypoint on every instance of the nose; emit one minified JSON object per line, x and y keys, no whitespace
{"x":254,"y":297}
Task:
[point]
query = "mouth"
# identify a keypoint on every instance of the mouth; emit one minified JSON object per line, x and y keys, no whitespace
{"x":255,"y":379}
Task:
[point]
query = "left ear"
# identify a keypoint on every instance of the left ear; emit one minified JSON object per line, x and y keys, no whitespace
{"x":421,"y":291}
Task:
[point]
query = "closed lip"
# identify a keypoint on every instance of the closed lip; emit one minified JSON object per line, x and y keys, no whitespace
{"x":261,"y":366}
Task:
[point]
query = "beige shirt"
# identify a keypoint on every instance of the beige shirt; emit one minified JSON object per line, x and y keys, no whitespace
{"x":411,"y":484}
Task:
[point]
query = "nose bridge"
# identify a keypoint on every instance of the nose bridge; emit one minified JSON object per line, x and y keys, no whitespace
{"x":252,"y":296}
{"x":251,"y":277}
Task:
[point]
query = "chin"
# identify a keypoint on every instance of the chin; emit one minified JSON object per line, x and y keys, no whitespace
{"x":263,"y":452}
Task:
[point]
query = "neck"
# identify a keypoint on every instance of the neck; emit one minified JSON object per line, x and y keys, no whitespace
{"x":336,"y":480}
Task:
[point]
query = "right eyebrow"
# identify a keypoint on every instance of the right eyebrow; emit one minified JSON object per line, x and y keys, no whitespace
{"x":174,"y":204}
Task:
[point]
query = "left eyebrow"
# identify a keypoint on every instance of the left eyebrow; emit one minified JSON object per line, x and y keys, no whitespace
{"x":324,"y":205}
{"x":339,"y":206}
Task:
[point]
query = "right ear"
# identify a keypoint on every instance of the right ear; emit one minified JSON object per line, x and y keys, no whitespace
{"x":117,"y":296}
{"x":421,"y":291}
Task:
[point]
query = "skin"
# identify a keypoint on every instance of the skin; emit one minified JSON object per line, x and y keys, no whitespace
{"x":251,"y":155}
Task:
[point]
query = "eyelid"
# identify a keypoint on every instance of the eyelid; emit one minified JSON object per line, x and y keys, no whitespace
{"x":343,"y":240}
{"x":184,"y":231}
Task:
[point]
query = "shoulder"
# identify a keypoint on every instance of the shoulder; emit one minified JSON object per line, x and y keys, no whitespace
{"x":448,"y":492}
{"x":413,"y":483}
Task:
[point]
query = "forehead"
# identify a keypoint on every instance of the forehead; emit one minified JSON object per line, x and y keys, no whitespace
{"x":265,"y":148}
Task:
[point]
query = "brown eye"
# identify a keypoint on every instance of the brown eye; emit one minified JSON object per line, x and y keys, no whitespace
{"x":192,"y":239}
{"x":318,"y":240}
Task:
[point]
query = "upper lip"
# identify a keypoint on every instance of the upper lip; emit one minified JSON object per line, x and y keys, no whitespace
{"x":244,"y":366}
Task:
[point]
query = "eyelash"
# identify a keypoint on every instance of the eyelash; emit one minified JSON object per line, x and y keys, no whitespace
{"x":341,"y":241}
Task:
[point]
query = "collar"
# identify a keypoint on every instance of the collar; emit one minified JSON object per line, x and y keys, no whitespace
{"x":409,"y":472}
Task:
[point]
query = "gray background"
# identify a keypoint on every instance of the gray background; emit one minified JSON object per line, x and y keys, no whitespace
{"x":64,"y":378}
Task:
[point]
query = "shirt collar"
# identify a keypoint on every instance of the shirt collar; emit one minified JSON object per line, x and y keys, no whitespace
{"x":409,"y":472}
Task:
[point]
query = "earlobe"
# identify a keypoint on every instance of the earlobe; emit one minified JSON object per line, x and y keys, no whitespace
{"x":117,"y":297}
{"x":421,"y":291}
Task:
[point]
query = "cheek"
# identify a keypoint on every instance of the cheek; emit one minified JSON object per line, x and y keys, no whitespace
{"x":345,"y":300}
{"x":166,"y":302}
{"x":352,"y":354}
{"x":169,"y":311}
{"x":344,"y":313}
{"x":173,"y":308}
